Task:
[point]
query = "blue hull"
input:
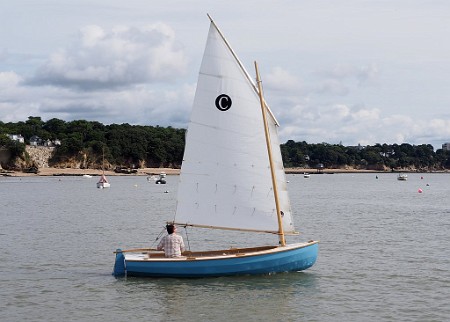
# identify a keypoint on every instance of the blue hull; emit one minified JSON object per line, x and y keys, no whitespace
{"x":295,"y":257}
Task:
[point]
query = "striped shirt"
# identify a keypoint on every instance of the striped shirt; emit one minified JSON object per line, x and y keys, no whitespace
{"x":172,"y":245}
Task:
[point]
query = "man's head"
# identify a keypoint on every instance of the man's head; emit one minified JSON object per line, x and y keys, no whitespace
{"x":170,"y":228}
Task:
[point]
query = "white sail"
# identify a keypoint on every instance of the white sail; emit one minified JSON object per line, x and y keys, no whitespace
{"x":225,"y":179}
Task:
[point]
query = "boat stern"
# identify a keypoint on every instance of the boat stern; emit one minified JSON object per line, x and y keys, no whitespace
{"x":119,"y":265}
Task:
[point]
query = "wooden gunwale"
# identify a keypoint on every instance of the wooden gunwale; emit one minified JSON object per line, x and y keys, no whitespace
{"x":220,"y":254}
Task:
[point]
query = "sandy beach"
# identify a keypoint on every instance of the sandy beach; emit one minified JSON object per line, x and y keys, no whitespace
{"x":92,"y":172}
{"x":152,"y":171}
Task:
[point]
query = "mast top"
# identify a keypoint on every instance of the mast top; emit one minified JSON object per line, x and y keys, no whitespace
{"x":250,"y":79}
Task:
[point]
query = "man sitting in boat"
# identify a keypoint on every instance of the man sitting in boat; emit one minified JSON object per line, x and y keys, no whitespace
{"x":172,"y":244}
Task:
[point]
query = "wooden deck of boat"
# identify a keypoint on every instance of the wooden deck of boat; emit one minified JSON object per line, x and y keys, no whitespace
{"x":147,"y":253}
{"x":214,"y":253}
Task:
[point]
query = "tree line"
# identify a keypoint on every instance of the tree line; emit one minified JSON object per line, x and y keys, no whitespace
{"x":122,"y":145}
{"x":135,"y":146}
{"x":382,"y":157}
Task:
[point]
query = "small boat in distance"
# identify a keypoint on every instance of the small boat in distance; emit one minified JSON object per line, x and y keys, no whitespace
{"x":402,"y":177}
{"x":103,"y":182}
{"x":228,"y":186}
{"x":306,"y":175}
{"x":161,"y":179}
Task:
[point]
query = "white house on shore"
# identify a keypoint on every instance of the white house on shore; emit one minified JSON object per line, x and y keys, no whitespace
{"x":37,"y":141}
{"x":16,"y":137}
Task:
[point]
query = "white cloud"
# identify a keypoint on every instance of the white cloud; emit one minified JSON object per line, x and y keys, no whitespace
{"x":9,"y":80}
{"x":280,"y":79}
{"x":121,"y":57}
{"x":138,"y":105}
{"x":332,"y":86}
{"x":368,"y":74}
{"x":366,"y":115}
{"x":91,"y":35}
{"x":363,"y":73}
{"x":344,"y":79}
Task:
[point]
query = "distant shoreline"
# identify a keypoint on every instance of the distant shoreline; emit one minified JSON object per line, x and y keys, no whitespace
{"x":44,"y":172}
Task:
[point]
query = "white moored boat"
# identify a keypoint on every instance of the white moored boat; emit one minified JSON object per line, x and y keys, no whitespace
{"x":103,"y":181}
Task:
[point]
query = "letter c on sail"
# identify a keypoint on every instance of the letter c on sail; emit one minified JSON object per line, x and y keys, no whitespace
{"x":223,"y":102}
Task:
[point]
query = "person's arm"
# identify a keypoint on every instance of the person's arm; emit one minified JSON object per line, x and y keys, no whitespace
{"x":161,"y":244}
{"x":182,"y":244}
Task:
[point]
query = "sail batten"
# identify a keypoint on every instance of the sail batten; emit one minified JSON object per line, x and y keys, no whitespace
{"x":225,"y":179}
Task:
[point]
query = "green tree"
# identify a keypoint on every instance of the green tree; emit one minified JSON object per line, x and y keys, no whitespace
{"x":16,"y":149}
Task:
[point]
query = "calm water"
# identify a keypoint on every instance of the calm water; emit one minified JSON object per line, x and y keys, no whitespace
{"x":384,"y":253}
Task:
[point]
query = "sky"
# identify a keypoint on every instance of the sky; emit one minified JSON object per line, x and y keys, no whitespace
{"x":342,"y":72}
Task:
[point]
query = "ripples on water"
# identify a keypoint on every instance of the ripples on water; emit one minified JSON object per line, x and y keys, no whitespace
{"x":383,"y":256}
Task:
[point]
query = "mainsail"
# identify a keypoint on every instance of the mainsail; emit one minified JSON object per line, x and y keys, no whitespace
{"x":225,"y":179}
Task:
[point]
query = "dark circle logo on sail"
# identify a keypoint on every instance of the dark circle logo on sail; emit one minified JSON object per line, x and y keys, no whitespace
{"x":223,"y":102}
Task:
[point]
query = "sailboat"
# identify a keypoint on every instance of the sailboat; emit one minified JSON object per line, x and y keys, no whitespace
{"x":402,"y":177}
{"x":231,"y":178}
{"x":103,"y":182}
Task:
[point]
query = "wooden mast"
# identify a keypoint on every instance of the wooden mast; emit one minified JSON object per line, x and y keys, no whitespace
{"x":269,"y":150}
{"x":103,"y":160}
